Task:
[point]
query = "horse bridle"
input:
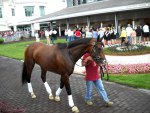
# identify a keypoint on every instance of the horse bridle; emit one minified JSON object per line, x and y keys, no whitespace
{"x":94,"y":54}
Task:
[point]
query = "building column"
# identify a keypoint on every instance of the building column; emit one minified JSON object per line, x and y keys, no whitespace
{"x":101,"y":24}
{"x":50,"y":24}
{"x":116,"y":22}
{"x":15,"y":28}
{"x":133,"y":23}
{"x":88,"y":22}
{"x":32,"y":29}
{"x":59,"y":30}
{"x":67,"y":23}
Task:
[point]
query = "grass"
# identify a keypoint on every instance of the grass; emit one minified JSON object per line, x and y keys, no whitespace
{"x":110,"y":51}
{"x":16,"y":50}
{"x":134,"y":80}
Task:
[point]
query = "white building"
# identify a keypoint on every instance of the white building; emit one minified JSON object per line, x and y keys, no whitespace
{"x":16,"y":14}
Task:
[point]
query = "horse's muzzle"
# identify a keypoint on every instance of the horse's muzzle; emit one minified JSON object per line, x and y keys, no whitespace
{"x":101,"y":61}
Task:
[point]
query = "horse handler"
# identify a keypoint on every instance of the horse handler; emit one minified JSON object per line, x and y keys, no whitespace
{"x":92,"y":77}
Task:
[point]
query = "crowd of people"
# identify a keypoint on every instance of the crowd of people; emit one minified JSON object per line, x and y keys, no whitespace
{"x":137,"y":35}
{"x":9,"y":36}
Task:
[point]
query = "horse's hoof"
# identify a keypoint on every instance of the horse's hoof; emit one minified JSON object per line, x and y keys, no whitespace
{"x":57,"y":98}
{"x":33,"y":95}
{"x":75,"y":109}
{"x":51,"y":97}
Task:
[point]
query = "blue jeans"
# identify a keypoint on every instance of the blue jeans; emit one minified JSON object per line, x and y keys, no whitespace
{"x":70,"y":38}
{"x":99,"y":85}
{"x":53,"y":39}
{"x":129,"y":39}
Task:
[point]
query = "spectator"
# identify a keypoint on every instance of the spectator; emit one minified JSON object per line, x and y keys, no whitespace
{"x":89,"y":33}
{"x":101,"y":33}
{"x":37,"y":36}
{"x":123,"y":36}
{"x":139,"y":34}
{"x":129,"y":30}
{"x":94,"y":34}
{"x":70,"y":35}
{"x":146,"y":33}
{"x":54,"y":36}
{"x":42,"y":33}
{"x":77,"y":34}
{"x":133,"y":37}
{"x":47,"y":33}
{"x":107,"y":37}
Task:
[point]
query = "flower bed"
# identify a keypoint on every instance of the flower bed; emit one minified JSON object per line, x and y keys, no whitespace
{"x":129,"y":68}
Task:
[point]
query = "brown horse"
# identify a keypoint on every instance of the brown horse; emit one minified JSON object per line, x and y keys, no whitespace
{"x":60,"y":59}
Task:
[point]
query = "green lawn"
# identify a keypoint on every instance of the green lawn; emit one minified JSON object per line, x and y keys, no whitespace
{"x":134,"y":80}
{"x":16,"y":51}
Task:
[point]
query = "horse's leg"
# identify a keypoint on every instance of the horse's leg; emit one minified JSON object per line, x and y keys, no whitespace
{"x":29,"y":72}
{"x":48,"y":89}
{"x":68,"y":90}
{"x":57,"y":98}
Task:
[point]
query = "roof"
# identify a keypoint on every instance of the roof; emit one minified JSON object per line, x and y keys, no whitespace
{"x":100,"y":7}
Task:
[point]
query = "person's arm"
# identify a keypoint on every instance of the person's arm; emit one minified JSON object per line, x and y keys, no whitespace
{"x":86,"y":60}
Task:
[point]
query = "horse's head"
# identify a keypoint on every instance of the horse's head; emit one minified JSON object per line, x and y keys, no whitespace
{"x":97,"y":52}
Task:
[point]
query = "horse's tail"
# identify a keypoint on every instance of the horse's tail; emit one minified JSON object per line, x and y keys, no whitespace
{"x":24,"y":73}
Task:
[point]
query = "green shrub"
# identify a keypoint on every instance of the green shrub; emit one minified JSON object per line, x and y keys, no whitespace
{"x":1,"y":40}
{"x":22,"y":38}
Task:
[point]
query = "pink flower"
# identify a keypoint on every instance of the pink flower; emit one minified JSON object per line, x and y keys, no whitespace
{"x":129,"y":68}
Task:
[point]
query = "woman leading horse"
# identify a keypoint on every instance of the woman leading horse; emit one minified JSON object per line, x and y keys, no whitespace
{"x":60,"y":59}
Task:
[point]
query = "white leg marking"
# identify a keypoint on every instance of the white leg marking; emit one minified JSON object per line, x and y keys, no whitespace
{"x":48,"y":89}
{"x":57,"y":98}
{"x":58,"y":91}
{"x":30,"y":89}
{"x":70,"y":99}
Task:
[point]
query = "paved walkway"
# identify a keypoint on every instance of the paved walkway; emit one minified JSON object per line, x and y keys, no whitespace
{"x":126,"y":99}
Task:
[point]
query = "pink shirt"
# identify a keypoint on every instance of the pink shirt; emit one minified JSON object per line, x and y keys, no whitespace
{"x":133,"y":34}
{"x":91,"y":70}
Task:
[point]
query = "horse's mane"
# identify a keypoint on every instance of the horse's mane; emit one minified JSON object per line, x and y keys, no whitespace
{"x":78,"y":42}
{"x":62,"y":45}
{"x":73,"y":43}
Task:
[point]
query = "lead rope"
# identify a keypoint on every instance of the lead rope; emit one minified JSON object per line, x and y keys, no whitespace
{"x":79,"y":65}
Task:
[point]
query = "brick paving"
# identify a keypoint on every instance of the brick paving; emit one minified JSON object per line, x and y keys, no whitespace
{"x":126,"y":99}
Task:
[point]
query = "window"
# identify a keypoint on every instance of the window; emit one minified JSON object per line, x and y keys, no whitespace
{"x":84,"y":1}
{"x":1,"y":15}
{"x":13,"y":12}
{"x":42,"y":10}
{"x":29,"y":10}
{"x":79,"y":2}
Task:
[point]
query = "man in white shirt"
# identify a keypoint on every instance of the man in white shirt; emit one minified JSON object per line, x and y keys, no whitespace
{"x":128,"y":31}
{"x":146,"y":33}
{"x":70,"y":35}
{"x":47,"y":33}
{"x":37,"y":36}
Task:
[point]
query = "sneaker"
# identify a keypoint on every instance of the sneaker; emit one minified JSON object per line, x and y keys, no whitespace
{"x":89,"y":102}
{"x":108,"y":104}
